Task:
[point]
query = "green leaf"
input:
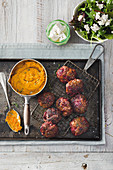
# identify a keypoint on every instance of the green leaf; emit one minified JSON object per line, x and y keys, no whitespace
{"x":105,"y":10}
{"x":102,"y":31}
{"x":88,"y":1}
{"x":96,"y":38}
{"x":108,"y":1}
{"x":81,"y":9}
{"x":110,"y":14}
{"x":90,"y":22}
{"x":14,"y":103}
{"x":111,"y":27}
{"x":57,"y":68}
{"x":110,"y":6}
{"x":91,"y":14}
{"x":84,"y":34}
{"x":75,"y":23}
{"x":91,"y":1}
{"x":109,"y":36}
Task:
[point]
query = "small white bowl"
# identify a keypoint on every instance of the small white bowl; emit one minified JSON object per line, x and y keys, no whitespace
{"x":75,"y":13}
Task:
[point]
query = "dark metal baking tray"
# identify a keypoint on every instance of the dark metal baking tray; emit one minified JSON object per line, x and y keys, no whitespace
{"x":93,"y":114}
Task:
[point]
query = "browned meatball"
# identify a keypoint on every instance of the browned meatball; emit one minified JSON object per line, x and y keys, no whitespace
{"x":79,"y":103}
{"x":64,"y":105}
{"x":52,"y":114}
{"x":46,"y":99}
{"x":74,"y":86}
{"x":65,"y":74}
{"x":48,"y":129}
{"x":79,"y":125}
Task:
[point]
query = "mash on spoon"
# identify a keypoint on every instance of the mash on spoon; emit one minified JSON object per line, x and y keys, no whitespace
{"x":13,"y":120}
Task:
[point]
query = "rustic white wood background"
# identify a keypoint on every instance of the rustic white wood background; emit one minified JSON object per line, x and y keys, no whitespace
{"x":25,"y":21}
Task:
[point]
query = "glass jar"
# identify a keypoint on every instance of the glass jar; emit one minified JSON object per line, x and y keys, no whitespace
{"x":66,"y":31}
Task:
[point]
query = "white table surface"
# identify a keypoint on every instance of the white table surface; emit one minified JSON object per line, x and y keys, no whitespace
{"x":25,"y":21}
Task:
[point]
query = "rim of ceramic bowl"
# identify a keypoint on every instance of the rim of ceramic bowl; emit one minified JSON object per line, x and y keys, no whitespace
{"x":78,"y":33}
{"x":24,"y":60}
{"x":49,"y":27}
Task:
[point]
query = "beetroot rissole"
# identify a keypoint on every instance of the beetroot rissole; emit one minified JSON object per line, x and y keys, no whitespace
{"x":64,"y":106}
{"x":79,"y":103}
{"x":48,"y":129}
{"x":65,"y":74}
{"x":74,"y":87}
{"x":52,"y":114}
{"x":79,"y":125}
{"x":46,"y":99}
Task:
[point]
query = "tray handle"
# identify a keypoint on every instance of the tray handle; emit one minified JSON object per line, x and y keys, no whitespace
{"x":92,"y":60}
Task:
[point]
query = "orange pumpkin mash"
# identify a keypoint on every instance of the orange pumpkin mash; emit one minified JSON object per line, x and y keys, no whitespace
{"x":13,"y":120}
{"x":28,"y":77}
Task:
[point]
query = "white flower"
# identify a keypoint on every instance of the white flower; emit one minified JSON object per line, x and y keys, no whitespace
{"x":80,"y":30}
{"x":102,"y":22}
{"x":111,"y":32}
{"x":84,"y":19}
{"x":87,"y":28}
{"x":100,"y":5}
{"x":80,"y":17}
{"x":95,"y":27}
{"x":98,"y":35}
{"x":105,"y":17}
{"x":97,"y":15}
{"x":107,"y":22}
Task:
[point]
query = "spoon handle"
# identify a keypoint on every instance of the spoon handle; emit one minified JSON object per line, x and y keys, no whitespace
{"x":3,"y":83}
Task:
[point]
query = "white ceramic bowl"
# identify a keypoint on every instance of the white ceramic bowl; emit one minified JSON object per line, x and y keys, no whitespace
{"x":75,"y":13}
